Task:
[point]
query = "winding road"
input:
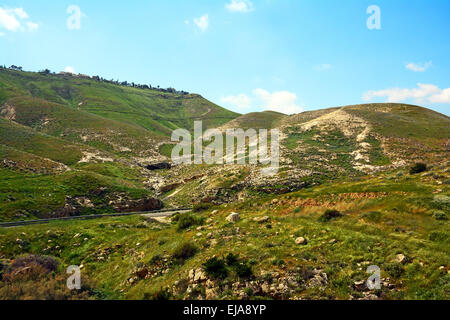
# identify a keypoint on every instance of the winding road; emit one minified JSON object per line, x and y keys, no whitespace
{"x":150,"y":214}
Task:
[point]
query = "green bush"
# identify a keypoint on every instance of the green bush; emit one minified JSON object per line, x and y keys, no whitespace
{"x":201,"y":207}
{"x":440,"y":215}
{"x":160,"y":295}
{"x":439,"y":236}
{"x":243,"y":270}
{"x":155,"y":259}
{"x":373,"y":216}
{"x":184,"y":251}
{"x":394,"y":269}
{"x":187,"y":220}
{"x":418,"y":168}
{"x":441,"y":202}
{"x":330,"y":215}
{"x":215,"y":268}
{"x":231,"y":259}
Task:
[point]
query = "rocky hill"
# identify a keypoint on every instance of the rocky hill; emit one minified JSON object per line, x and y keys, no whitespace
{"x":358,"y":186}
{"x":54,"y":127}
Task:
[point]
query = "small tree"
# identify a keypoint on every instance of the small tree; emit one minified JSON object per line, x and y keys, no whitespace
{"x":418,"y":168}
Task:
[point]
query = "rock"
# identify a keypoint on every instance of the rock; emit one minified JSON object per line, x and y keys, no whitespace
{"x":141,"y":205}
{"x":370,"y":297}
{"x":264,"y":219}
{"x":191,"y":274}
{"x":319,"y":280}
{"x":275,"y":201}
{"x":234,"y":217}
{"x":199,"y":276}
{"x":401,"y":258}
{"x":142,"y":273}
{"x":265,"y":288}
{"x":301,"y":241}
{"x":360,"y":286}
{"x":211,"y":293}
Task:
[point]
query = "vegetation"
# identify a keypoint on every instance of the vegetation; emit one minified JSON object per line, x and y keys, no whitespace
{"x":75,"y":145}
{"x":418,"y":168}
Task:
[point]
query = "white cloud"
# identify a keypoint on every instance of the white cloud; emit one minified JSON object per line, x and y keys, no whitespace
{"x":241,"y":6}
{"x":69,"y":69}
{"x":202,"y":23}
{"x":20,"y":13}
{"x":419,"y":67}
{"x":281,"y":101}
{"x":10,"y":19}
{"x":441,"y":97}
{"x":422,"y":94}
{"x":241,"y":101}
{"x":323,"y":67}
{"x":32,"y":26}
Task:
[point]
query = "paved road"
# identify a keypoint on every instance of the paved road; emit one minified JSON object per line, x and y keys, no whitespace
{"x":155,"y":214}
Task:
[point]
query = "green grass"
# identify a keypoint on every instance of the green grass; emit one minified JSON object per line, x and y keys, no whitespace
{"x":372,"y":231}
{"x":29,"y":196}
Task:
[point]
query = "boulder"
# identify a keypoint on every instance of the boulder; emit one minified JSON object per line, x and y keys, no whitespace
{"x":234,"y":217}
{"x":301,"y":241}
{"x":401,"y":258}
{"x":264,"y":219}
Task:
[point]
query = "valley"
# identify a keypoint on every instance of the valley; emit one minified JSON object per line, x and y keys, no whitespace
{"x":346,"y":197}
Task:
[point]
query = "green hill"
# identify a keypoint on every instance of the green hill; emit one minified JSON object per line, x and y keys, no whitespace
{"x":256,"y":120}
{"x":156,"y":111}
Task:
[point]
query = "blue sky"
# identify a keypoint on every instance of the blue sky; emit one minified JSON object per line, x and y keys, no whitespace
{"x":285,"y":55}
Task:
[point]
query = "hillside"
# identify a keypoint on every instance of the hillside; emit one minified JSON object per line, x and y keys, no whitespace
{"x":113,"y":131}
{"x":255,"y":120}
{"x":99,"y":112}
{"x":344,"y":198}
{"x":282,"y":247}
{"x":55,"y":127}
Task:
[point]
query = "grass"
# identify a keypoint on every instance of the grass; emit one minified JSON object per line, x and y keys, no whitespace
{"x":31,"y":196}
{"x":380,"y":221}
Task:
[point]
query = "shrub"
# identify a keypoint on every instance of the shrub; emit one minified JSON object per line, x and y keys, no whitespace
{"x":155,"y":259}
{"x":231,"y":259}
{"x":441,"y":202}
{"x":184,"y":251}
{"x":160,"y":295}
{"x":418,"y":168}
{"x":215,"y":268}
{"x":243,"y":270}
{"x":201,"y":207}
{"x":187,"y":220}
{"x":394,"y":269}
{"x":440,"y":215}
{"x":439,"y":236}
{"x":49,"y":264}
{"x":330,"y":215}
{"x":373,"y":216}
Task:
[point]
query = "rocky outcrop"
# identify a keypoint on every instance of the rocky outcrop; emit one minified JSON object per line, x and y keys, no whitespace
{"x":141,"y":205}
{"x":158,"y":166}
